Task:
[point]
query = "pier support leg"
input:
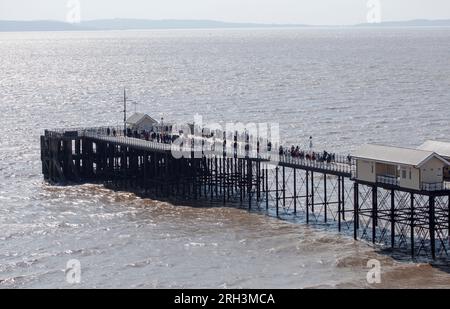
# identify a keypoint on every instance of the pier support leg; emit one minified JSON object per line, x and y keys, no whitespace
{"x":307,"y":197}
{"x":206,"y":177}
{"x":144,"y":178}
{"x":211,"y":178}
{"x":276,"y":190}
{"x":78,"y":156}
{"x":224,"y":180}
{"x":412,"y":226}
{"x":267,"y":187}
{"x":258,"y":181}
{"x":392,"y":218}
{"x":312,"y":192}
{"x":448,"y":221}
{"x":343,"y":198}
{"x":194,"y":178}
{"x":325,"y":198}
{"x":339,"y":204}
{"x":249,"y":183}
{"x":216,"y":175}
{"x":374,"y":213}
{"x":432,"y":225}
{"x":284,"y":187}
{"x":356,"y":211}
{"x":240,"y":177}
{"x":295,"y":191}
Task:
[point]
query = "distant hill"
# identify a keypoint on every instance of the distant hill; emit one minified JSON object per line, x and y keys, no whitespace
{"x":42,"y":25}
{"x":411,"y":23}
{"x":127,"y":24}
{"x":142,"y":24}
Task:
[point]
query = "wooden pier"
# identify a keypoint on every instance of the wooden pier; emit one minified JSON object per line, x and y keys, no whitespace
{"x":392,"y":218}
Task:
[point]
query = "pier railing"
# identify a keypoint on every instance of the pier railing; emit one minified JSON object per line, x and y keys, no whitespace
{"x":131,"y":142}
{"x":81,"y":132}
{"x":388,"y":180}
{"x":188,"y":151}
{"x":334,"y":166}
{"x":204,"y":147}
{"x":439,"y":186}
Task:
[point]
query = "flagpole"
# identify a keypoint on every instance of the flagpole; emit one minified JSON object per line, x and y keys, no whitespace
{"x":124,"y":111}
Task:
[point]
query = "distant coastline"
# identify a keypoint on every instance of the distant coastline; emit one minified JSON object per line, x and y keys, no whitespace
{"x":142,"y":24}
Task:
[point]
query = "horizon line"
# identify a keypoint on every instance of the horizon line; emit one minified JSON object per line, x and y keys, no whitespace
{"x":228,"y":22}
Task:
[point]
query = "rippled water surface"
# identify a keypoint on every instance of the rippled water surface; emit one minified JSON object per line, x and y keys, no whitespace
{"x":345,"y":87}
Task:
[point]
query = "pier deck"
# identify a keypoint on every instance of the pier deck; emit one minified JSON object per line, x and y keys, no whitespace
{"x":340,"y":168}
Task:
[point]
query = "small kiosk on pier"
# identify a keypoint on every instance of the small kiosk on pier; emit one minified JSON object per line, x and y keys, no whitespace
{"x":414,"y":169}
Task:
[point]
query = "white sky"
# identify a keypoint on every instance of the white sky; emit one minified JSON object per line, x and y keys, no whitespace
{"x":315,"y":12}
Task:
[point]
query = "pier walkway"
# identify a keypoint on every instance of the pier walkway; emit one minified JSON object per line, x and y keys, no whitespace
{"x":341,"y":165}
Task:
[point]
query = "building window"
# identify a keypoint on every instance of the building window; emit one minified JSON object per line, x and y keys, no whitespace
{"x":372,"y":169}
{"x":404,"y":174}
{"x":410,"y":174}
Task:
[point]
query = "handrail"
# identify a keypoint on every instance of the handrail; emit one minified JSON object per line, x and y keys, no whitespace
{"x":437,"y":186}
{"x":340,"y":163}
{"x":389,"y":180}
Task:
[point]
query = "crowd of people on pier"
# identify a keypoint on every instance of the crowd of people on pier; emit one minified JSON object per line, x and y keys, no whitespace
{"x":296,"y":152}
{"x":310,"y":155}
{"x":112,"y":132}
{"x":163,"y":138}
{"x":293,"y":152}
